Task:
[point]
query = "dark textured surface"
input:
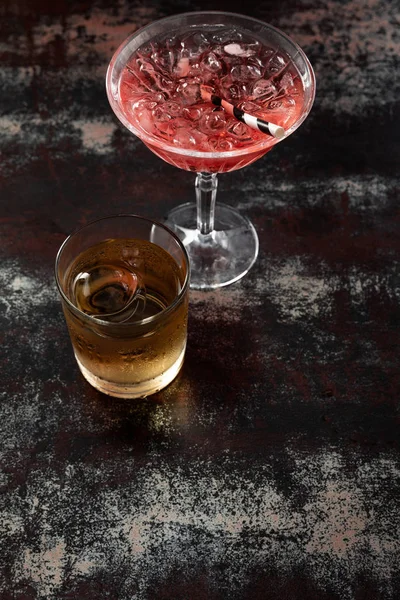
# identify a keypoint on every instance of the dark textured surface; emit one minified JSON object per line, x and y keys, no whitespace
{"x":269,"y":469}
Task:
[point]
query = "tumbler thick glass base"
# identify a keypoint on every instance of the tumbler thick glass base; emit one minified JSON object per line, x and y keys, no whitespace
{"x":133,"y":390}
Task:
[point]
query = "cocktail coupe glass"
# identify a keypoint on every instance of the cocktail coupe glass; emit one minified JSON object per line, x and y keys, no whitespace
{"x":221,"y":243}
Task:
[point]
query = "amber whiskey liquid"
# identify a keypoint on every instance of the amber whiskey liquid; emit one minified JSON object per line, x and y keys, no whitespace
{"x":129,"y":332}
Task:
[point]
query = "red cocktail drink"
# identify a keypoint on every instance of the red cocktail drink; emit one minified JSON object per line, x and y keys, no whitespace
{"x":160,"y":95}
{"x":154,"y":85}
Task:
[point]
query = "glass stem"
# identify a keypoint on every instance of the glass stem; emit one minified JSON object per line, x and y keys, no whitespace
{"x":206,"y":194}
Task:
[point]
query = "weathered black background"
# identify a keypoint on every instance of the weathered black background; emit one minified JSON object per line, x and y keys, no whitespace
{"x":269,"y":469}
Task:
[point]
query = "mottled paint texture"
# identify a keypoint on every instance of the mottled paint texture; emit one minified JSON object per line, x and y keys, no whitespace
{"x":269,"y":470}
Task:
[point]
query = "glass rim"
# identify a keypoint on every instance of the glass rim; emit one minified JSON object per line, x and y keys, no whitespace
{"x":258,"y":146}
{"x":123,"y":325}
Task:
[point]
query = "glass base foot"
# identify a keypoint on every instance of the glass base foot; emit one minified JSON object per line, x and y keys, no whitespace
{"x":220,"y":257}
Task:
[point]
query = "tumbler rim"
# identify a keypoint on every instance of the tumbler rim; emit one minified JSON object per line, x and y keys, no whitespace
{"x":148,"y":320}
